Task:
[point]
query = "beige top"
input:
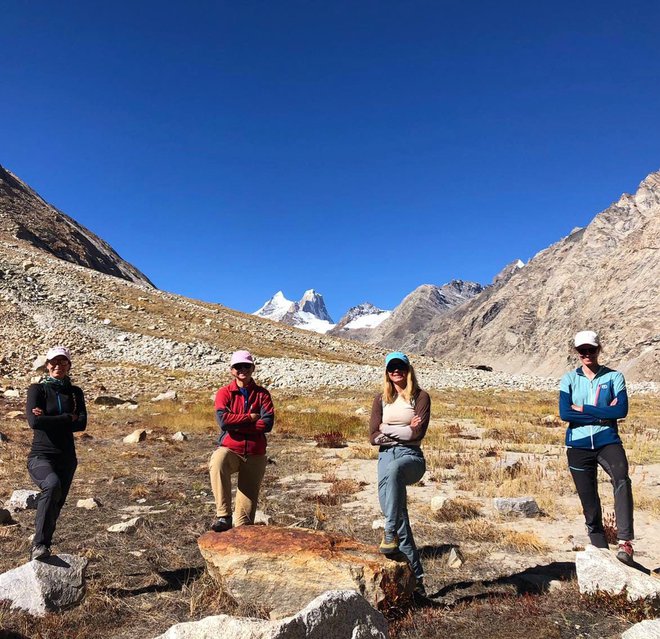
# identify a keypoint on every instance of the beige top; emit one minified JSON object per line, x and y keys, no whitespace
{"x":396,"y":421}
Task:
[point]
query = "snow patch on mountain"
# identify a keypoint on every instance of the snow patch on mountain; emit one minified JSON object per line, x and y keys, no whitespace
{"x":310,"y":313}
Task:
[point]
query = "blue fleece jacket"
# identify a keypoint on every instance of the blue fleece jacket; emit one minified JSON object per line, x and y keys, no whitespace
{"x":596,"y":425}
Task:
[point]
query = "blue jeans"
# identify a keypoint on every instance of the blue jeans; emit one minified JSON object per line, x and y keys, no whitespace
{"x":398,"y":467}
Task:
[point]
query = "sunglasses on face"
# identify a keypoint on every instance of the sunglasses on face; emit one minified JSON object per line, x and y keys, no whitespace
{"x":587,"y":351}
{"x":58,"y":362}
{"x":242,"y":367}
{"x":402,"y":368}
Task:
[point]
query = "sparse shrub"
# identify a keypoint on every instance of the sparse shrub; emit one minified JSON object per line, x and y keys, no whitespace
{"x":620,"y":606}
{"x":453,"y":430}
{"x":457,"y":509}
{"x":327,"y":499}
{"x":609,"y":526}
{"x":331,"y":439}
{"x":139,"y":491}
{"x":346,"y":487}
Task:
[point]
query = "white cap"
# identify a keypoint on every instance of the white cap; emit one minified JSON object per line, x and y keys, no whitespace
{"x":586,"y":337}
{"x":58,"y":351}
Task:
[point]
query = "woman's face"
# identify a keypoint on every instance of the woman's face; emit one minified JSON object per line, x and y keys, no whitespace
{"x":588,"y":354}
{"x":397,"y":372}
{"x":58,"y":367}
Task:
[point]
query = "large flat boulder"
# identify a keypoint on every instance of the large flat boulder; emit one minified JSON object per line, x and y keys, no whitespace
{"x":41,"y":586}
{"x":598,"y":570}
{"x":284,"y":568}
{"x":336,"y":614}
{"x":649,"y":629}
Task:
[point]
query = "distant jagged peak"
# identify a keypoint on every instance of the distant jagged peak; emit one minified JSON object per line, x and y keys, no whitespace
{"x":362,"y":316}
{"x":309,"y":313}
{"x":312,"y":302}
{"x":277,"y":307}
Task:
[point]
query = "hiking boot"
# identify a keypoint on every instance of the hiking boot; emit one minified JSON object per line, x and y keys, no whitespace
{"x":39,"y":552}
{"x":221,"y":524}
{"x":419,"y":588}
{"x":625,"y":553}
{"x":390,"y":543}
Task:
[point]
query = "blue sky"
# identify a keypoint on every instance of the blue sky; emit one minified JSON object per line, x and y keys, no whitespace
{"x":229,"y":150}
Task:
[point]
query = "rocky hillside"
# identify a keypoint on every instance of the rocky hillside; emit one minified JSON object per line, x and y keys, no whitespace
{"x":25,"y":216}
{"x":604,"y":277}
{"x":418,"y":309}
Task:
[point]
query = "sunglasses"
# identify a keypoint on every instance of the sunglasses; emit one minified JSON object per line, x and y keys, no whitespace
{"x":242,"y":367}
{"x":60,"y":361}
{"x":587,"y":351}
{"x":401,"y":367}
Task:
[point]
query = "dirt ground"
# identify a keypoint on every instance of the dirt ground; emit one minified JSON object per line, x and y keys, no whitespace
{"x":517,"y":578}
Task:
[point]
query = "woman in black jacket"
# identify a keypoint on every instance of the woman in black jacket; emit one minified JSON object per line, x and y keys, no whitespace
{"x":55,"y":410}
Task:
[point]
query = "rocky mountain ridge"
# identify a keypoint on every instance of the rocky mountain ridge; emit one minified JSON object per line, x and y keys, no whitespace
{"x":603,"y":277}
{"x":26,"y":216}
{"x":310,"y":313}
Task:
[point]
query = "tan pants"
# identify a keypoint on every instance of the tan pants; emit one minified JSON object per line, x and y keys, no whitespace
{"x":224,"y":463}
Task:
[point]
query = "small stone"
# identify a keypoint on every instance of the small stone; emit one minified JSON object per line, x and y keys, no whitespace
{"x":437,"y":503}
{"x":15,"y":414}
{"x":5,"y":516}
{"x":135,"y":437}
{"x":521,"y":506}
{"x":455,"y":558}
{"x":109,"y":400}
{"x":167,"y":395}
{"x":88,"y":504}
{"x":39,"y":363}
{"x":378,"y":524}
{"x":23,"y":500}
{"x":11,"y":392}
{"x":180,"y":437}
{"x":106,"y":321}
{"x":552,"y":420}
{"x":361,"y":411}
{"x":647,"y":629}
{"x":129,"y":526}
{"x":3,"y":438}
{"x":260,"y":517}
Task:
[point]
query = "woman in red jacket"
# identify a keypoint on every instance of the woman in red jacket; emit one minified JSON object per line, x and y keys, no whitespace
{"x":244,"y":412}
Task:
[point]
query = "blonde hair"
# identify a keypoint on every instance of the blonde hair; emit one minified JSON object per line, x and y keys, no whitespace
{"x":409,"y":392}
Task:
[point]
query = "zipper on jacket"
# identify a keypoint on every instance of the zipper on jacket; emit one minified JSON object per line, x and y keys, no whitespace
{"x":59,"y":401}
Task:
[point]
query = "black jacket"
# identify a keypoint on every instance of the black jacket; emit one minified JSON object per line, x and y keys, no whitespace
{"x":53,"y":431}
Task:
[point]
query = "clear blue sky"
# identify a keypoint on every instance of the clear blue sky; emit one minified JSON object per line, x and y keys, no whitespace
{"x":231,"y":149}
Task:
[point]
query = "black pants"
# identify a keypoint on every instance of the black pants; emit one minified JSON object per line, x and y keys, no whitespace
{"x":53,"y":475}
{"x":583,"y":464}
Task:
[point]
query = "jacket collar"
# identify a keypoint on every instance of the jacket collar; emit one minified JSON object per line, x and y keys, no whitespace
{"x":233,"y":386}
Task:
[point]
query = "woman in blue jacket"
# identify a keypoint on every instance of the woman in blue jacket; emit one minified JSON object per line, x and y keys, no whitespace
{"x":591,"y":399}
{"x":55,"y":410}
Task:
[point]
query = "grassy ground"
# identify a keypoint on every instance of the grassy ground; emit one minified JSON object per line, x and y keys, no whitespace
{"x":140,"y":584}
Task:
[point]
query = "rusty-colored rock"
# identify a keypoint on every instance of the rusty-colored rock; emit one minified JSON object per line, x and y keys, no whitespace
{"x":282,"y":569}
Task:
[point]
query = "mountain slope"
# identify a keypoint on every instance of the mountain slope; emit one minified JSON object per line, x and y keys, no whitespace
{"x":404,"y":328}
{"x":603,"y":277}
{"x":25,"y":216}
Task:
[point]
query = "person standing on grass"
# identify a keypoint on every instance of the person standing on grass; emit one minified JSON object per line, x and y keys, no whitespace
{"x":591,"y":399}
{"x":399,"y":419}
{"x":244,"y":412}
{"x":55,"y":410}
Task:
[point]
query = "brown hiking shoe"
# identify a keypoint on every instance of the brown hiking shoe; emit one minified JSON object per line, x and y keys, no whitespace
{"x":390,"y":543}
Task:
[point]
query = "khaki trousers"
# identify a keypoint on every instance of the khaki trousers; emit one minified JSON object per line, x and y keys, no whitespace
{"x":223,"y":464}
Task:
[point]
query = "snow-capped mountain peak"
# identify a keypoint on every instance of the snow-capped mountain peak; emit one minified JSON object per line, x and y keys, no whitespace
{"x":276,"y":308}
{"x":309,"y":313}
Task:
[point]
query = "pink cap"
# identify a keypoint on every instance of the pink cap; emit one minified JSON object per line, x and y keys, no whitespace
{"x":241,"y":357}
{"x":58,"y":351}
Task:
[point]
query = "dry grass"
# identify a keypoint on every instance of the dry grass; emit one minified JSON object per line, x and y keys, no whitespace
{"x":457,"y":510}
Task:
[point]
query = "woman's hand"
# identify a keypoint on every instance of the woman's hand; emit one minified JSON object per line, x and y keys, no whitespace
{"x":415,"y":425}
{"x":580,"y":409}
{"x":614,"y":402}
{"x":254,"y":416}
{"x":37,"y":411}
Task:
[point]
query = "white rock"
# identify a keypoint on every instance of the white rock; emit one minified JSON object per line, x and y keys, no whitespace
{"x":88,"y":504}
{"x":599,"y":570}
{"x":47,"y":585}
{"x":649,"y":629}
{"x":39,"y":363}
{"x":168,"y":395}
{"x":336,"y":614}
{"x":135,"y":437}
{"x":22,"y":500}
{"x":129,"y":526}
{"x":106,"y":321}
{"x":260,"y":517}
{"x":378,"y":524}
{"x":127,"y":406}
{"x":437,"y":503}
{"x":11,"y":392}
{"x":180,"y":437}
{"x":455,"y":558}
{"x":524,"y":506}
{"x":14,"y":414}
{"x":361,"y":411}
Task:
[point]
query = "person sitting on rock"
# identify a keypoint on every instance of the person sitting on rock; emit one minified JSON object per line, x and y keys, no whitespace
{"x":244,"y":412}
{"x":55,"y":409}
{"x":591,"y":399}
{"x":399,"y":419}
